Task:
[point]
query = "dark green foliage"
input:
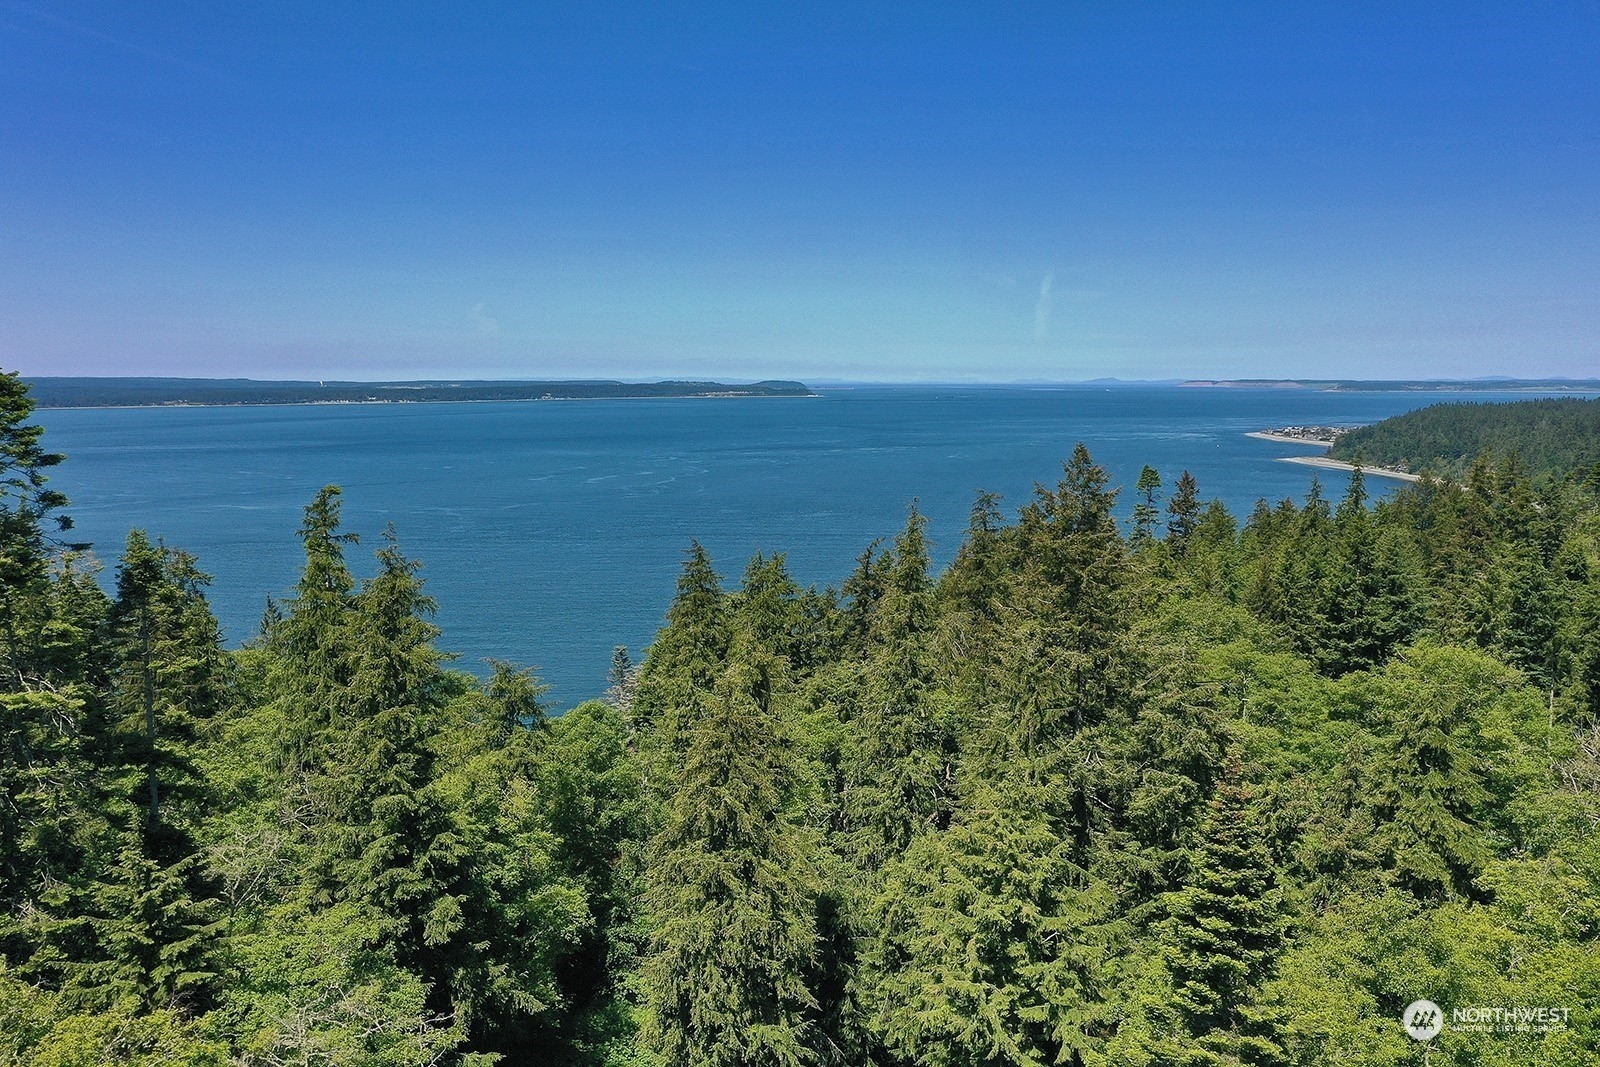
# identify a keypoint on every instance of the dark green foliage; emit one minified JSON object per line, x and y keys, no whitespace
{"x":687,"y":657}
{"x":1068,"y":600}
{"x":26,"y":506}
{"x":1223,"y":932}
{"x":588,"y":791}
{"x":1429,"y":782}
{"x":1184,"y":509}
{"x":732,"y":890}
{"x":168,"y":682}
{"x":310,"y":646}
{"x":862,"y":591}
{"x":1554,"y":438}
{"x":988,"y":940}
{"x":1231,"y":796}
{"x":160,"y":942}
{"x":1145,"y":511}
{"x":898,"y":766}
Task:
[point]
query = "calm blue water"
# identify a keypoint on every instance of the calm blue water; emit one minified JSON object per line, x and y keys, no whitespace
{"x":551,"y":532}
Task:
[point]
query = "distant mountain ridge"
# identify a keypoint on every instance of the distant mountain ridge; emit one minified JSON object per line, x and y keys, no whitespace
{"x":159,"y":392}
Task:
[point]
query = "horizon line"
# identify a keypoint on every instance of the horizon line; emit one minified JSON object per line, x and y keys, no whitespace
{"x":831,"y":381}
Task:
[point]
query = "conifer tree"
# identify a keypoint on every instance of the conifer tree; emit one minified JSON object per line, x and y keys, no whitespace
{"x":1526,"y":623}
{"x":1058,"y":666}
{"x":1184,"y":509}
{"x":385,"y":840}
{"x":53,"y":823}
{"x":989,"y":942}
{"x":1210,"y":559}
{"x":1145,"y":511}
{"x":168,"y":682}
{"x":1429,"y":781}
{"x":973,"y":579}
{"x":1067,"y":609}
{"x":461,"y":897}
{"x":312,"y":661}
{"x":1361,"y":609}
{"x":622,"y":680}
{"x":27,"y":511}
{"x":899,"y":762}
{"x":767,"y":604}
{"x":861,"y":591}
{"x":155,"y":940}
{"x":1223,"y":932}
{"x":689,"y":654}
{"x":588,"y":791}
{"x":732,"y":889}
{"x":1158,"y":756}
{"x":969,"y":595}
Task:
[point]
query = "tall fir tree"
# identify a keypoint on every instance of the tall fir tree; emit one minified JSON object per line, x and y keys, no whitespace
{"x":732,"y":888}
{"x":309,"y":646}
{"x":54,"y":827}
{"x":168,"y":684}
{"x":899,"y":761}
{"x":989,"y":941}
{"x":1145,"y":510}
{"x":1430,"y":781}
{"x":688,"y":656}
{"x":1184,"y":512}
{"x":1361,"y":609}
{"x":1219,"y":943}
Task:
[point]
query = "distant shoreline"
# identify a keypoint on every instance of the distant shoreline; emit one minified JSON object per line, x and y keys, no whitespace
{"x":1267,"y":435}
{"x":87,"y":393}
{"x":1340,"y":465}
{"x":181,"y":404}
{"x":1323,"y":461}
{"x":1395,"y":385}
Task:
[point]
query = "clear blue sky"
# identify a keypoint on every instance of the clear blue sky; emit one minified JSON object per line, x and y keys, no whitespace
{"x":994,"y":191}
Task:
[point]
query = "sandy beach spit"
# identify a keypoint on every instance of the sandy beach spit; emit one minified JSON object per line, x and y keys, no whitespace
{"x":1263,"y":435}
{"x":1334,"y":464}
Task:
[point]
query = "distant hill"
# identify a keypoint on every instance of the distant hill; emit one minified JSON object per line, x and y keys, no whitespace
{"x":1553,"y":437}
{"x":156,"y":392}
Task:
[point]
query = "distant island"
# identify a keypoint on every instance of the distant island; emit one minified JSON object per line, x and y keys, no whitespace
{"x":1472,"y":385}
{"x":218,"y":392}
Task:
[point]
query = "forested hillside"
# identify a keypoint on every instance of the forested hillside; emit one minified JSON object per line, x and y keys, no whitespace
{"x":1549,"y":438}
{"x":1193,"y":791}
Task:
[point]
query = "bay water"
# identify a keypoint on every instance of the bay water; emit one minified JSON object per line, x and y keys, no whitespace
{"x":551,"y":531}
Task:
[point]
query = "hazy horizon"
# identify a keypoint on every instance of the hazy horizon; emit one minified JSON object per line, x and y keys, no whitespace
{"x":749,"y":379}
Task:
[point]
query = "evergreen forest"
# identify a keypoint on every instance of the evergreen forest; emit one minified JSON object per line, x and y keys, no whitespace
{"x":1551,"y":437}
{"x":1190,"y":788}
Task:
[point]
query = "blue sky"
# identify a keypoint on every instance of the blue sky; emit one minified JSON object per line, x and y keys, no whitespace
{"x":984,"y":192}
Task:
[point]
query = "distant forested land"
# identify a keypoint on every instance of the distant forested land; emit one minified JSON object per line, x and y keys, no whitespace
{"x":1197,"y":789}
{"x":1551,"y":438}
{"x":150,"y":392}
{"x":1420,"y":385}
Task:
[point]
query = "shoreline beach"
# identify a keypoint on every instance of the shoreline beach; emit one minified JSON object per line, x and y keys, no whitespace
{"x":1265,"y":435}
{"x":1340,"y":465}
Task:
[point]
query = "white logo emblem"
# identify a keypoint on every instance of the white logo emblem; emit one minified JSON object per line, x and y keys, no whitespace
{"x":1423,"y":1020}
